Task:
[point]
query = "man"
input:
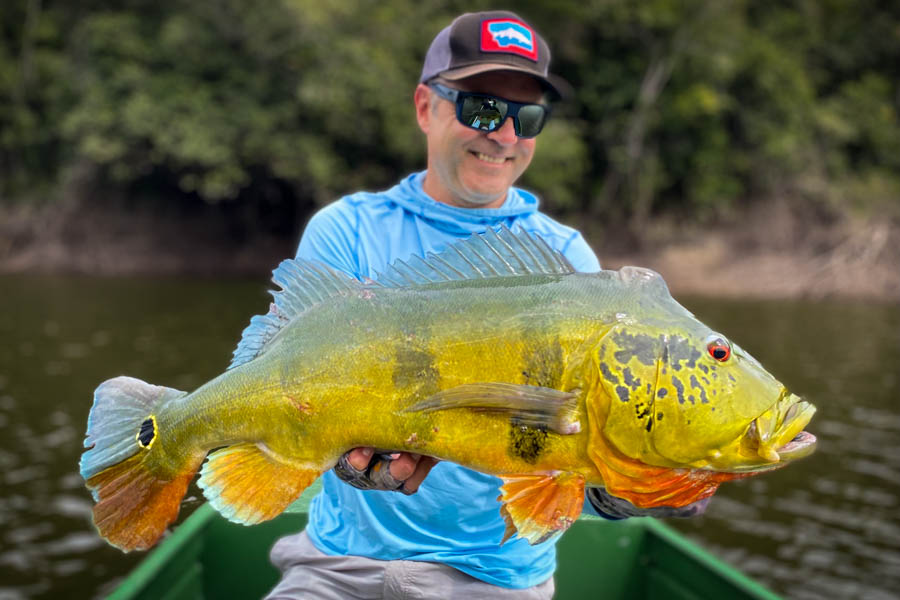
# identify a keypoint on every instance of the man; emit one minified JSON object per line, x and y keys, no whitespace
{"x":481,"y":102}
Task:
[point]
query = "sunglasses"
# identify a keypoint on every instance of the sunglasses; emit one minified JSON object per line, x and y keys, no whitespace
{"x":488,"y":113}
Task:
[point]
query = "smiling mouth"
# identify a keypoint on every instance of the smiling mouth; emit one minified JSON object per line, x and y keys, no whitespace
{"x":494,"y":160}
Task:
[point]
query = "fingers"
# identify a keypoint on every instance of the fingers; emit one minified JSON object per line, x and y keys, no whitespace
{"x":691,"y":510}
{"x":423,"y":467}
{"x":404,"y":465}
{"x":399,"y":471}
{"x":619,"y":508}
{"x":359,"y":457}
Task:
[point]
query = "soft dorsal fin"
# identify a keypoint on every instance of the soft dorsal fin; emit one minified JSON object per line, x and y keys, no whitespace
{"x":499,"y":253}
{"x":303,"y":284}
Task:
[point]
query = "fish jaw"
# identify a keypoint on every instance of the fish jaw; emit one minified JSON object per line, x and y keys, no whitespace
{"x":772,"y":440}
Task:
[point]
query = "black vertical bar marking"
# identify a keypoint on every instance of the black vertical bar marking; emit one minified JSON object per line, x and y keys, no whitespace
{"x":527,"y":443}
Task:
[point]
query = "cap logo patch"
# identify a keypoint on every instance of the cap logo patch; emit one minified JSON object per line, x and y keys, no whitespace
{"x":510,"y":36}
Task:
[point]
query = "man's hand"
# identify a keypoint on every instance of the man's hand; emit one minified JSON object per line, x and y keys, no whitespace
{"x":366,"y":469}
{"x":619,"y":508}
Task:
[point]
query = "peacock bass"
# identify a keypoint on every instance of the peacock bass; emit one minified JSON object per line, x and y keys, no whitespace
{"x":494,"y":354}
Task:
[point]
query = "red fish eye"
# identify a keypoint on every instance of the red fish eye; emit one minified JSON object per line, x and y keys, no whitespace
{"x":719,"y":349}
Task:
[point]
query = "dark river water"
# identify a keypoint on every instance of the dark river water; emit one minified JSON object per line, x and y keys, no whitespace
{"x":826,"y":527}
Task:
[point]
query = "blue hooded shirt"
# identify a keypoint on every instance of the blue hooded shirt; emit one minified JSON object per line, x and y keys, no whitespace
{"x":454,"y":518}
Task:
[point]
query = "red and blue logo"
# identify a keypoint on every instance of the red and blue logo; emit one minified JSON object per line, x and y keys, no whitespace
{"x":510,"y":36}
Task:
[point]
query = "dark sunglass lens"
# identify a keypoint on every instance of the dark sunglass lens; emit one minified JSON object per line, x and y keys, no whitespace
{"x":482,"y":112}
{"x":531,"y":120}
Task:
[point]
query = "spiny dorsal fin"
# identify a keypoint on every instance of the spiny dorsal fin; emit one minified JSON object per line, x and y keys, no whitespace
{"x":499,"y":253}
{"x":303,"y":285}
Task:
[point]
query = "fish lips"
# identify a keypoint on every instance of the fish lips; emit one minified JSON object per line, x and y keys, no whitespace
{"x":803,"y":444}
{"x":777,"y":436}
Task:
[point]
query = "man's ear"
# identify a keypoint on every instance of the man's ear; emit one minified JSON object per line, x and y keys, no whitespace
{"x":422,"y":100}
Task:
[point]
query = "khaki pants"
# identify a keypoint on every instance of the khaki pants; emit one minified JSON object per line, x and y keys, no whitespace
{"x":308,"y":573}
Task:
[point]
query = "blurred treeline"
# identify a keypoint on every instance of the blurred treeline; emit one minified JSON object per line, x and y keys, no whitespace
{"x":692,"y":106}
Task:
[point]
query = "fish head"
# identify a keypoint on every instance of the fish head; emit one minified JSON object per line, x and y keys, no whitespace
{"x":674,"y":393}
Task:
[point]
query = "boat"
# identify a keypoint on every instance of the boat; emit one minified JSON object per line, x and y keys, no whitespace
{"x":208,"y":557}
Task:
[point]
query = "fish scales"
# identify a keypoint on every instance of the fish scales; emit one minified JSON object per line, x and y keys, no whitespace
{"x":552,"y":380}
{"x":392,"y":367}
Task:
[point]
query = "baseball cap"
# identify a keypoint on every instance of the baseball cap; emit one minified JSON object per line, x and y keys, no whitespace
{"x":491,"y":41}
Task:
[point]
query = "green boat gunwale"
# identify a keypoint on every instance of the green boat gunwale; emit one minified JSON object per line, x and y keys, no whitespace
{"x":636,"y":558}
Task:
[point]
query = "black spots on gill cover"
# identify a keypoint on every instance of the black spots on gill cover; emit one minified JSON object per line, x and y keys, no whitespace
{"x":630,"y":380}
{"x":696,"y":384}
{"x":661,"y":392}
{"x":644,"y":411}
{"x":526,"y":442}
{"x":622,"y":393}
{"x":679,"y":388}
{"x":680,"y":350}
{"x":147,"y":433}
{"x":608,"y":374}
{"x":639,"y":346}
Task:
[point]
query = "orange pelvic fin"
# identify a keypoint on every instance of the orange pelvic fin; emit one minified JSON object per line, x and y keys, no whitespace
{"x":134,"y":506}
{"x":538,"y":507}
{"x":247,"y":485}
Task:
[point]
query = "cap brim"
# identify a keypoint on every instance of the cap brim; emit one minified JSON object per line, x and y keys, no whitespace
{"x":557,"y":86}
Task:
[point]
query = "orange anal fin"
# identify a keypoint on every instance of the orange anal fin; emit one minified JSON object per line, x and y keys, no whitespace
{"x":134,"y":507}
{"x":538,"y":507}
{"x":248,"y":486}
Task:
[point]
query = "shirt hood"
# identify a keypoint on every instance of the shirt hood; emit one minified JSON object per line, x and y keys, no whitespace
{"x":410,"y":195}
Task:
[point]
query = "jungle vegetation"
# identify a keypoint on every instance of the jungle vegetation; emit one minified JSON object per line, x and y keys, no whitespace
{"x":692,"y":107}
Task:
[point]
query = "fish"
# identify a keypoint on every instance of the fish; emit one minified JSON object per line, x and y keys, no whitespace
{"x":511,"y":36}
{"x":494,"y":354}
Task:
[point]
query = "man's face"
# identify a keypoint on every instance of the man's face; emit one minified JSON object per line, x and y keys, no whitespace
{"x":467,"y":167}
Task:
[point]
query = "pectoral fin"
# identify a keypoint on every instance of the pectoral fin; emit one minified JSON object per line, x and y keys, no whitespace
{"x":248,"y":486}
{"x":538,"y":507}
{"x":530,"y":405}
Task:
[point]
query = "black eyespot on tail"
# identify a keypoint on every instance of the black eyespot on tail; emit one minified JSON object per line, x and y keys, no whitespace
{"x":147,"y":433}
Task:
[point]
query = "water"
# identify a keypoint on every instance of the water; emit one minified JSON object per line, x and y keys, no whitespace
{"x":827,"y":527}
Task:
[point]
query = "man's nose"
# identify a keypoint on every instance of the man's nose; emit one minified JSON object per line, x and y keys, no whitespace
{"x":506,"y":135}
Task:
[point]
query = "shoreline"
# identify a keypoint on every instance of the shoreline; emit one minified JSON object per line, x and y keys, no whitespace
{"x":752,"y":257}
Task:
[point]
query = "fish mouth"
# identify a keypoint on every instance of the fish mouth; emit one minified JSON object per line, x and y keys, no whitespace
{"x":777,"y":435}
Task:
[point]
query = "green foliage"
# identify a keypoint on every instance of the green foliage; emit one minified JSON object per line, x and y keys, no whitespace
{"x":685,"y":105}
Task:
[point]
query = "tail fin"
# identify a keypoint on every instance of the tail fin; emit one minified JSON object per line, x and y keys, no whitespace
{"x":137,"y":494}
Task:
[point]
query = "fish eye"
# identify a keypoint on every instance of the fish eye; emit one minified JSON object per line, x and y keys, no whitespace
{"x":718,"y":347}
